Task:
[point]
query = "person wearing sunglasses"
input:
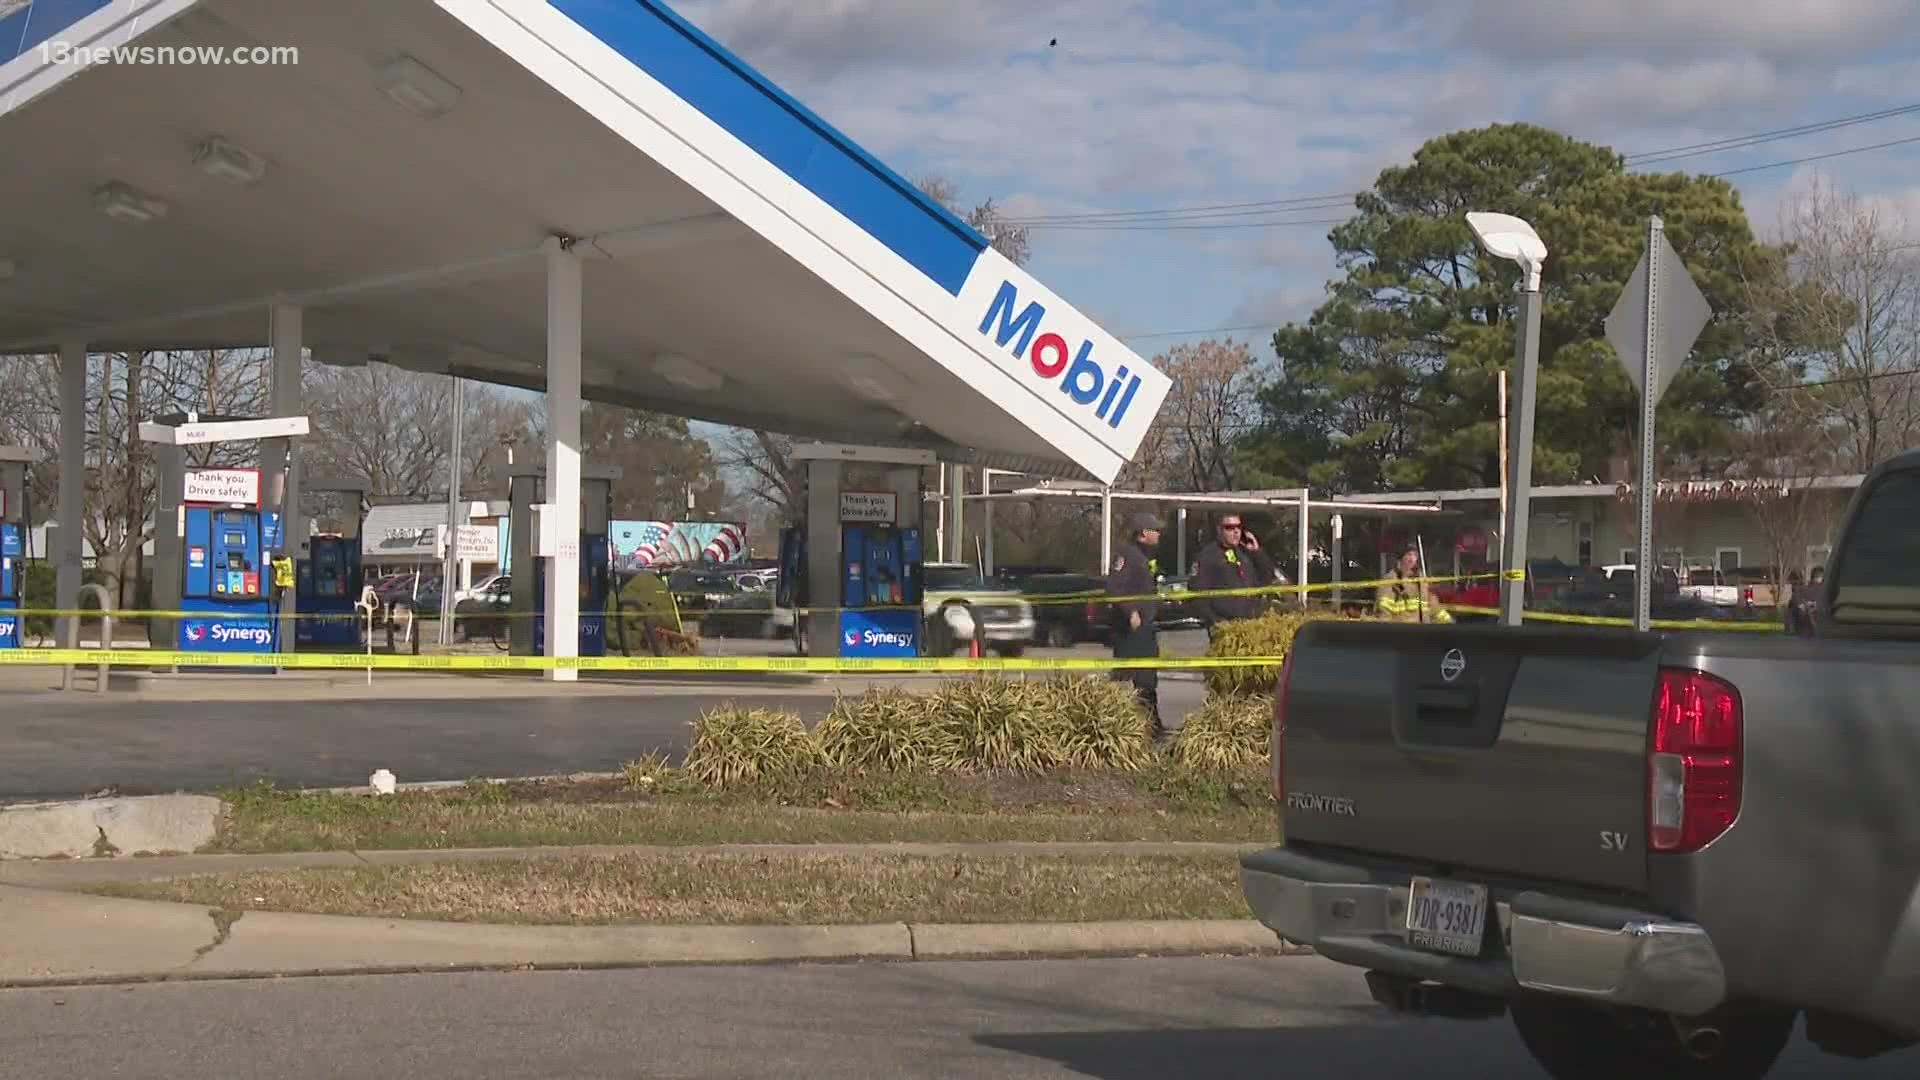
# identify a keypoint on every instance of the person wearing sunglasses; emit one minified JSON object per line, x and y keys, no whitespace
{"x":1233,"y":562}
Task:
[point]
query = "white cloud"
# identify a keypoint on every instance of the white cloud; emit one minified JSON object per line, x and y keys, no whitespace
{"x":1635,"y":92}
{"x":1151,"y":104}
{"x":1535,"y":32}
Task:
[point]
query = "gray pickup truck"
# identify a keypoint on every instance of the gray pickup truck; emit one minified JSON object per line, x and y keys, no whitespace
{"x":1654,"y":851}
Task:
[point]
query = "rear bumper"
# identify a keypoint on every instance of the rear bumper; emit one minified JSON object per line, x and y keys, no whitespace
{"x":1537,"y":942}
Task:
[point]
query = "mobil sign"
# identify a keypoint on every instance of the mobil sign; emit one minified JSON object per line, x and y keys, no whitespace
{"x":1080,"y":371}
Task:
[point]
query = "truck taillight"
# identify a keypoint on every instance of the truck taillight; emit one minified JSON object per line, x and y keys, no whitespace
{"x":1693,"y":766}
{"x":1279,"y":748}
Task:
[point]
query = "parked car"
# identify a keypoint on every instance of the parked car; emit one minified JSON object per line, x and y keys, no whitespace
{"x":1067,"y":608}
{"x":1176,"y":610}
{"x":1003,"y":618}
{"x":485,"y":613}
{"x":1654,"y":851}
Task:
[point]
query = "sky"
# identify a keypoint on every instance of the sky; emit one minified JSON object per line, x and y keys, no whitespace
{"x":1069,"y":108}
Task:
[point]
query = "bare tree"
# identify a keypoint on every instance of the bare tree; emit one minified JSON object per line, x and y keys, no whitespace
{"x":124,"y":389}
{"x":763,"y":465}
{"x":1853,"y":287}
{"x":1783,"y":448}
{"x":1194,"y":441}
{"x":392,"y":428}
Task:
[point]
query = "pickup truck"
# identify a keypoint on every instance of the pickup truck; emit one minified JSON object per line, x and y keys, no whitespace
{"x":1654,"y":852}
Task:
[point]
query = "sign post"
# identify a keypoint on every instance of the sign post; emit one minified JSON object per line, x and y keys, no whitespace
{"x":1653,"y":327}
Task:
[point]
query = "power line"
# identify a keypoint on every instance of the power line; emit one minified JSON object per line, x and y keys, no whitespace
{"x":1285,"y":222}
{"x":1131,"y":220}
{"x":1818,"y":157}
{"x":1243,"y":328}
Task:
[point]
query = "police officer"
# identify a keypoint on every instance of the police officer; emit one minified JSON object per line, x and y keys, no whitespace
{"x":1134,"y":580}
{"x":1234,"y":564}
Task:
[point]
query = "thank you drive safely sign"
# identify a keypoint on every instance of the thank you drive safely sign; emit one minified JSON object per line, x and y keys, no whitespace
{"x":226,"y":487}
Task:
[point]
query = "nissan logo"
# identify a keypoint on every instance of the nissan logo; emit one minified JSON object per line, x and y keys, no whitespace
{"x":1452,"y":664}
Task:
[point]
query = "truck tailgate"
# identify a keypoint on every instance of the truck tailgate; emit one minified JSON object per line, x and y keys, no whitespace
{"x":1517,"y":752}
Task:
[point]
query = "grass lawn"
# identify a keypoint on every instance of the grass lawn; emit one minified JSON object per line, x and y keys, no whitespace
{"x":739,"y":888}
{"x":657,"y":805}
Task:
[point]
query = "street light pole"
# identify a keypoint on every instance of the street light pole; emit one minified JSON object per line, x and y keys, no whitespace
{"x":1513,"y":531}
{"x":1507,"y":237}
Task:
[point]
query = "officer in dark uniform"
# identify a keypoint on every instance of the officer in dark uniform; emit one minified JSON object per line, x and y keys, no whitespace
{"x":1134,"y":577}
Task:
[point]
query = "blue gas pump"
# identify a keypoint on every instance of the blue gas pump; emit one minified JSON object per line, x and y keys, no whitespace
{"x":326,"y":587}
{"x":880,"y":570}
{"x":225,"y":593}
{"x":596,"y":580}
{"x":13,"y":576}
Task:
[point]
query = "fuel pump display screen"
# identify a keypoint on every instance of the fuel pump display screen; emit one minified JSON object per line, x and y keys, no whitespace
{"x":236,"y":539}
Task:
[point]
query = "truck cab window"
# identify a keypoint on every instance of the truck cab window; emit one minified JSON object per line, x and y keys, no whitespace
{"x":1877,"y":579}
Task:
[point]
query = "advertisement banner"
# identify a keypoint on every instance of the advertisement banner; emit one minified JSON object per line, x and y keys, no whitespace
{"x":638,"y":545}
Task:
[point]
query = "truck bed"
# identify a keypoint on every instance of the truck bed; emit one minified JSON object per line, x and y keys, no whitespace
{"x":1477,"y":747}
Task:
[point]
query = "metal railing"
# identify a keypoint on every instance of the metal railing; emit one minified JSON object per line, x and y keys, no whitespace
{"x":106,"y":638}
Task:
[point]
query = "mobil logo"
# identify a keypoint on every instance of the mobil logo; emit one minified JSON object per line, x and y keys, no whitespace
{"x":1066,"y":361}
{"x":902,"y":639}
{"x":196,"y":632}
{"x":853,"y":637}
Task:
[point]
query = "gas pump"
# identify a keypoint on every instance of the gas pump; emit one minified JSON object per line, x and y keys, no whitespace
{"x":13,"y":542}
{"x":328,"y":581}
{"x":880,"y":567}
{"x":215,"y":539}
{"x":528,"y":570}
{"x":860,"y":551}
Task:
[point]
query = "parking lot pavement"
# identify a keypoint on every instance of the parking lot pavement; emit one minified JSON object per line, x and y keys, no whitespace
{"x":1126,"y":1019}
{"x":443,"y":728}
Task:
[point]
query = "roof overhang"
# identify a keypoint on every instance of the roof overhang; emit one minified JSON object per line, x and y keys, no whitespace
{"x":744,"y":262}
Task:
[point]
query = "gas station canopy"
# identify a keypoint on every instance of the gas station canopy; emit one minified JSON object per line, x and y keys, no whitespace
{"x":405,"y":179}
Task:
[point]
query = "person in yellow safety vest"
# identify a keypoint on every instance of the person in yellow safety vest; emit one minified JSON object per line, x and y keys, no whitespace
{"x":282,"y":572}
{"x":1405,"y":597}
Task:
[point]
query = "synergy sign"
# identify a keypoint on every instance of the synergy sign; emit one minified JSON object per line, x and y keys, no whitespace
{"x":226,"y":635}
{"x":1085,"y":374}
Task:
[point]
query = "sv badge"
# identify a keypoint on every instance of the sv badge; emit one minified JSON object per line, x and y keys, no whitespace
{"x":1613,"y":841}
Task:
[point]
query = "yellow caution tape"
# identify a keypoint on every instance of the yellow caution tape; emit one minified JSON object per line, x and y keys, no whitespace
{"x":1611,"y":620}
{"x":498,"y":662}
{"x":1177,"y":595}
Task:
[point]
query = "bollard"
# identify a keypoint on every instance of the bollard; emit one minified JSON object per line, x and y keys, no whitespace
{"x":106,"y":639}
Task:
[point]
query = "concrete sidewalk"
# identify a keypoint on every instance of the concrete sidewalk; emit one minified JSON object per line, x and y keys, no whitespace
{"x":58,"y":936}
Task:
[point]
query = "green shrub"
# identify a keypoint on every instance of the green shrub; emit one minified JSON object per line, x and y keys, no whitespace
{"x":733,"y":744}
{"x":1231,"y":731}
{"x":1270,"y":635}
{"x":885,"y":728}
{"x":1093,"y":722}
{"x":990,"y":722}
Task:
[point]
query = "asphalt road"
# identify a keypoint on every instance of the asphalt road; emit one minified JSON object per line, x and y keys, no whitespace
{"x":1299,"y":1018}
{"x":65,"y":746}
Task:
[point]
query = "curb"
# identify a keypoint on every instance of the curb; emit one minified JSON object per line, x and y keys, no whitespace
{"x":112,"y":826}
{"x":88,"y":940}
{"x":80,"y":874}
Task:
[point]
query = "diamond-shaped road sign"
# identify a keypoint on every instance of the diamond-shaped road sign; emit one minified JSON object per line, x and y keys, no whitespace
{"x":1683,"y":314}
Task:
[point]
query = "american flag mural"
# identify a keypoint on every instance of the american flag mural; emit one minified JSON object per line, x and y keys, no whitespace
{"x":641,"y":544}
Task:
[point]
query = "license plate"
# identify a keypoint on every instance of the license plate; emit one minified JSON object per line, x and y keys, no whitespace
{"x":1447,"y":916}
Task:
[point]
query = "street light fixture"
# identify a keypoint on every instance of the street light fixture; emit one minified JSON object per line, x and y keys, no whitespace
{"x":1507,"y":237}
